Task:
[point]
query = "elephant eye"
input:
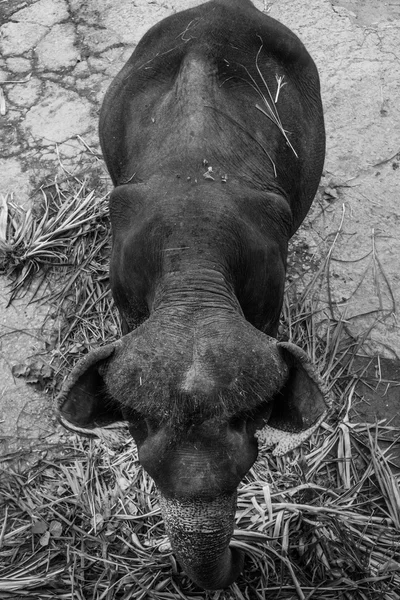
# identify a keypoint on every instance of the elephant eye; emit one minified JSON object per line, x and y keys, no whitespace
{"x":238,"y":422}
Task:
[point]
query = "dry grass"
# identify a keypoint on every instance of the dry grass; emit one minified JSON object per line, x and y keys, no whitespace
{"x":83,"y":522}
{"x":64,"y":248}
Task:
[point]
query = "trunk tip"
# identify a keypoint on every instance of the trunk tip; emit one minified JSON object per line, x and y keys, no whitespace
{"x":224,"y":577}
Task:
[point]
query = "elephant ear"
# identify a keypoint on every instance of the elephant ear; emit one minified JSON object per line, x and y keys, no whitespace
{"x":83,"y":404}
{"x":299,"y":407}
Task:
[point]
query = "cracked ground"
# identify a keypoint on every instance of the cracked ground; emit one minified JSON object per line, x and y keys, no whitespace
{"x":57,"y":58}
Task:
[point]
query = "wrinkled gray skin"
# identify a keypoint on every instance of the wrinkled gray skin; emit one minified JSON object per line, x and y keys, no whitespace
{"x":198,"y":266}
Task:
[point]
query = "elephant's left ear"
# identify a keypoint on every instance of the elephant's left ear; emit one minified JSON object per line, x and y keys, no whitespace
{"x":84,"y":404}
{"x":299,"y":407}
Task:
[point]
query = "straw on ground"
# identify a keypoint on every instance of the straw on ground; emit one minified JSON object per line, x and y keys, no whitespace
{"x":84,"y":521}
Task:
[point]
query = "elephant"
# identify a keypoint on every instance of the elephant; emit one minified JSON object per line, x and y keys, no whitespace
{"x":213,"y":135}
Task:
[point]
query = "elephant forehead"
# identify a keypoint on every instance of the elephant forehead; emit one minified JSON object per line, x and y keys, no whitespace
{"x":208,"y":378}
{"x":197,"y":378}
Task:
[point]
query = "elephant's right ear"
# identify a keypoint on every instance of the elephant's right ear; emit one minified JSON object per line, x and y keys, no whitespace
{"x":299,"y":407}
{"x":83,"y":403}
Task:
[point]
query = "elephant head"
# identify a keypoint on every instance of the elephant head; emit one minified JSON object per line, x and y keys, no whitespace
{"x":195,"y":407}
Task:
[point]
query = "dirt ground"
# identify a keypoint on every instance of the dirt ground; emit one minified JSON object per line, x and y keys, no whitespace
{"x":57,"y":58}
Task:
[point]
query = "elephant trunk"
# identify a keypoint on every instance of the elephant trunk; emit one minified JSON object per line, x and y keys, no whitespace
{"x":199,"y":531}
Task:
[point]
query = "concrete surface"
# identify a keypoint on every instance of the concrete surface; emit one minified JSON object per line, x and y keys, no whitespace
{"x":57,"y":57}
{"x":25,"y":413}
